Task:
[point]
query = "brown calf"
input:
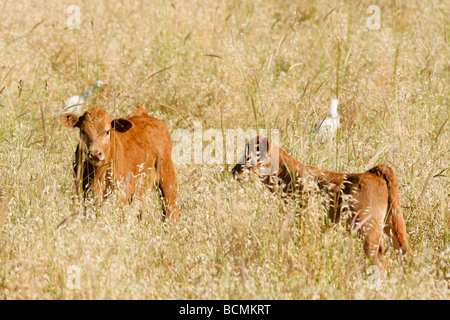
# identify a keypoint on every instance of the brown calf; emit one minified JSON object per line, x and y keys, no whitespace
{"x":369,"y":201}
{"x":135,"y":151}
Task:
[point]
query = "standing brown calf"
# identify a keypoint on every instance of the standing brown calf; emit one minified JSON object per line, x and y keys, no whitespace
{"x":373,"y":200}
{"x":135,"y":152}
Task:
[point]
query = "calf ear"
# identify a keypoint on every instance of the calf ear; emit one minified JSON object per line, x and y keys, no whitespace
{"x":264,"y":148}
{"x":70,"y":120}
{"x":122,"y":125}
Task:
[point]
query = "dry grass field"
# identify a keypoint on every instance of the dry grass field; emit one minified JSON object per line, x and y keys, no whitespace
{"x":233,"y":64}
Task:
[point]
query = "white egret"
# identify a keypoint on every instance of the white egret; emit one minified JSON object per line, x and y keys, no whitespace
{"x":327,"y":128}
{"x":75,"y":104}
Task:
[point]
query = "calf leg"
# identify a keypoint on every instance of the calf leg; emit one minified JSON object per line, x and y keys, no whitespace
{"x":373,"y":246}
{"x":169,"y":191}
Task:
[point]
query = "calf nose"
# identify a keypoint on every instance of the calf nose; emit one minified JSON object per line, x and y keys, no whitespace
{"x":235,"y":171}
{"x":96,"y":154}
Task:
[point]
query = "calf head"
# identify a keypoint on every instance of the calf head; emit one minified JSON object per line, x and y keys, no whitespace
{"x":260,"y":156}
{"x":96,"y":127}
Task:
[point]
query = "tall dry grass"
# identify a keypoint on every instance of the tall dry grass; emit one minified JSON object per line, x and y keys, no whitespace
{"x":234,"y":64}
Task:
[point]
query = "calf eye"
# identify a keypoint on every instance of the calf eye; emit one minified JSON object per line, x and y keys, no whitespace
{"x":82,"y":131}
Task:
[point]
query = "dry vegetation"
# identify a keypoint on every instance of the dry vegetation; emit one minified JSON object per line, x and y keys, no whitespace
{"x":234,"y":241}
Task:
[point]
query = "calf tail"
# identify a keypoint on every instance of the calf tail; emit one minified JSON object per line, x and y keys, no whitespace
{"x":394,"y":213}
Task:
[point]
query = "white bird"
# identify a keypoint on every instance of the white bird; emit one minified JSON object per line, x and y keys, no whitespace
{"x":75,"y":104}
{"x":327,"y":128}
